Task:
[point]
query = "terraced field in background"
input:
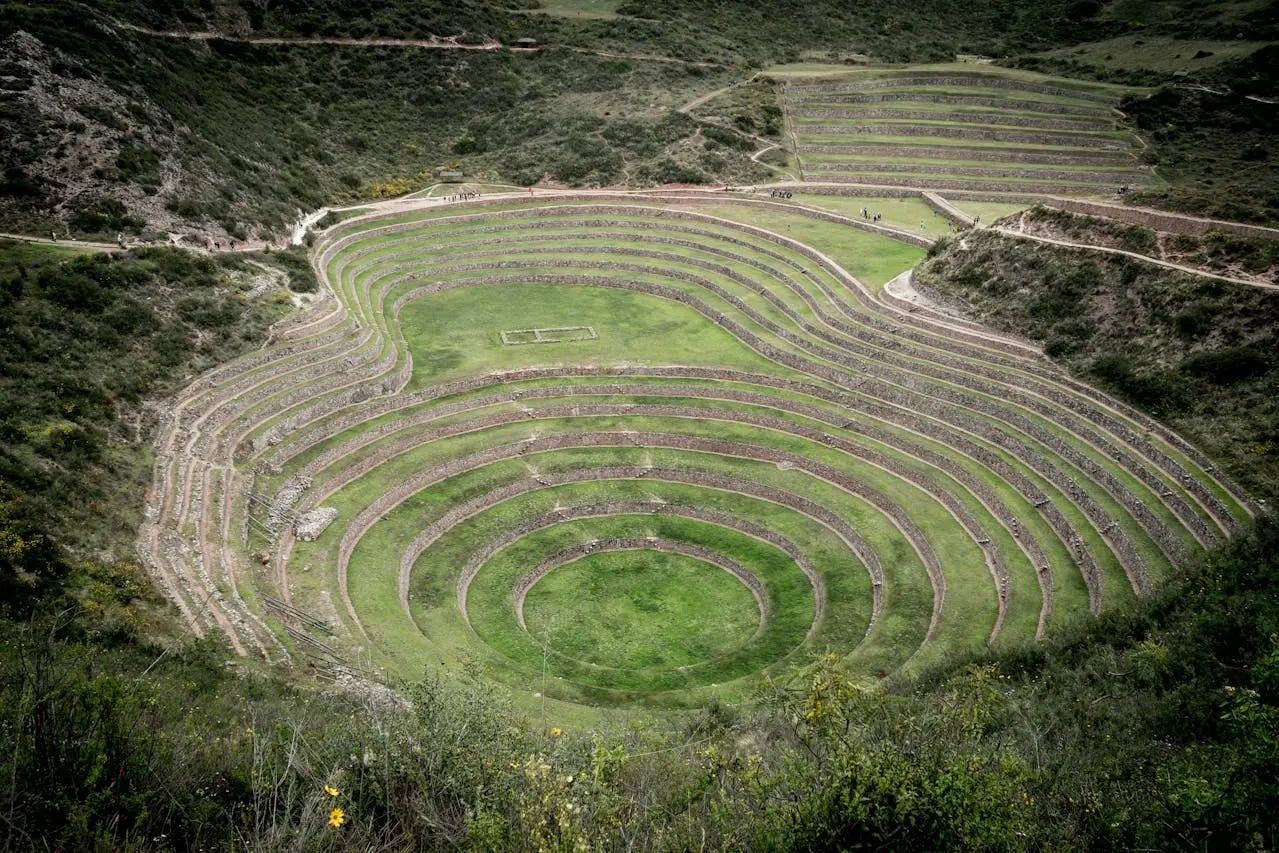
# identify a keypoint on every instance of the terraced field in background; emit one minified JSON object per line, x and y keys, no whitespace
{"x":747,"y":434}
{"x":940,"y":127}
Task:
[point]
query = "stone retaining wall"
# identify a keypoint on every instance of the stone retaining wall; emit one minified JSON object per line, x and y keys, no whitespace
{"x":904,"y":376}
{"x":975,"y":80}
{"x":866,"y":300}
{"x":810,"y":509}
{"x":860,"y":294}
{"x":1159,"y":220}
{"x":883,"y":504}
{"x":928,"y":402}
{"x":895,"y":414}
{"x":600,"y":510}
{"x":632,"y":543}
{"x":992,"y":119}
{"x":951,"y":213}
{"x":971,"y":483}
{"x":964,"y":100}
{"x":1015,"y":136}
{"x":981,"y":426}
{"x":1045,"y":174}
{"x":1001,"y":155}
{"x":737,"y":303}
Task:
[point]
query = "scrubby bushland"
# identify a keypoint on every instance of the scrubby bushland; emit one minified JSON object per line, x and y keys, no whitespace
{"x":1216,"y":250}
{"x":1148,"y":729}
{"x":295,"y":261}
{"x":84,"y":344}
{"x":1195,"y":352}
{"x":752,"y":108}
{"x":1214,"y":145}
{"x":250,"y":134}
{"x":780,"y":32}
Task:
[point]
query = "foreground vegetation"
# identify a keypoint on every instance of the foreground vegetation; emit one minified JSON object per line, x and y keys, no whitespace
{"x":1152,"y":728}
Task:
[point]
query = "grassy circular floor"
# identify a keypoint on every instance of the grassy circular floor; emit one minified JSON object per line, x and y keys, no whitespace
{"x":640,"y":609}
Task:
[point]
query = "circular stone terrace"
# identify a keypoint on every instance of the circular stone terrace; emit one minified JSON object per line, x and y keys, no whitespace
{"x":619,"y":451}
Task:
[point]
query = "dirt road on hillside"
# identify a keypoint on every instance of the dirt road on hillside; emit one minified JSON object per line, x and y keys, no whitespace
{"x":433,"y":43}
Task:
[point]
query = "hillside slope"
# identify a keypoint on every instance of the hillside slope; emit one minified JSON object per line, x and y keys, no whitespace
{"x":234,"y":139}
{"x":1195,"y":352}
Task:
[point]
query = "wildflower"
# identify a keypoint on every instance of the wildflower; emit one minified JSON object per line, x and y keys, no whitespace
{"x":331,"y":791}
{"x":555,"y":732}
{"x":515,"y":765}
{"x":336,"y":818}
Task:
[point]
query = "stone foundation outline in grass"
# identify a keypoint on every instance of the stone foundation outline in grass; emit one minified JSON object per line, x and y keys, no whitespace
{"x":554,"y":335}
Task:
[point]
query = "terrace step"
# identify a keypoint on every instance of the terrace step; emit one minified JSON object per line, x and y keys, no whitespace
{"x":983,"y":81}
{"x":1074,"y":141}
{"x":989,"y":119}
{"x":1003,"y":154}
{"x":948,"y":169}
{"x":956,"y":100}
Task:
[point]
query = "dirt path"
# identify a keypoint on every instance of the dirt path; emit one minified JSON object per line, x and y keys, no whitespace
{"x":698,"y":101}
{"x":1250,"y":282}
{"x":769,"y":145}
{"x":76,"y":244}
{"x":433,"y":43}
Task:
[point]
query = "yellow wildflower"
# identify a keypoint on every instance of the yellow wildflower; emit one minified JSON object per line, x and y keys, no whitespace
{"x":331,"y":791}
{"x":336,"y":818}
{"x":555,"y":732}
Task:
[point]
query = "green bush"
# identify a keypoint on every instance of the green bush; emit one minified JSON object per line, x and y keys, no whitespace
{"x":1161,"y":391}
{"x":106,"y":216}
{"x":297,"y":263}
{"x":1227,"y":367}
{"x":86,"y":340}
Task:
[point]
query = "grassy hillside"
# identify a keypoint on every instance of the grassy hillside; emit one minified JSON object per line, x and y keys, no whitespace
{"x":88,"y":344}
{"x":1196,"y":352}
{"x":235,"y":138}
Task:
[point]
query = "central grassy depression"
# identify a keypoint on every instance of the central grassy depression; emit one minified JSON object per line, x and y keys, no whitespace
{"x":640,"y":609}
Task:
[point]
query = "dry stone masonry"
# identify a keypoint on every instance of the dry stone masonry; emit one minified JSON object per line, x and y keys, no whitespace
{"x":927,"y":455}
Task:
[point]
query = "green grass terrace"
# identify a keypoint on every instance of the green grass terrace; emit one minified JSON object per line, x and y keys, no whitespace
{"x":956,"y":127}
{"x":623,"y":452}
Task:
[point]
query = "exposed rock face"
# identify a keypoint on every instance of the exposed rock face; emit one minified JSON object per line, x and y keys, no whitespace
{"x":311,"y":524}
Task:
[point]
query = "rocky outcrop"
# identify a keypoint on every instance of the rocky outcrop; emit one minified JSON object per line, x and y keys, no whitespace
{"x":311,"y":524}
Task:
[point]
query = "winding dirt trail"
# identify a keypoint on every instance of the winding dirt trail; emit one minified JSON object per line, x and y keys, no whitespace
{"x":433,"y":43}
{"x":1250,"y":282}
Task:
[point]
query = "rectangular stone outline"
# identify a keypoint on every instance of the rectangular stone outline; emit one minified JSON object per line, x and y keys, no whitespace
{"x":540,"y":338}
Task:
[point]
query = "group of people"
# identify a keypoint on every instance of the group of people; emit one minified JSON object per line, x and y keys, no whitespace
{"x":873,"y":217}
{"x":780,"y":194}
{"x":469,"y":196}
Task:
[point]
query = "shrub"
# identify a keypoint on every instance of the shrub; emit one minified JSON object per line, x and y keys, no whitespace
{"x":106,"y":215}
{"x":136,"y":163}
{"x":1226,"y":367}
{"x":1161,"y":391}
{"x":1138,"y":239}
{"x":297,"y":263}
